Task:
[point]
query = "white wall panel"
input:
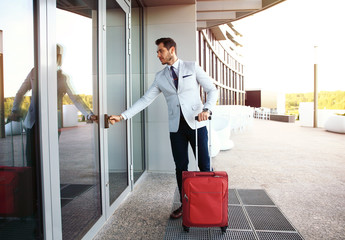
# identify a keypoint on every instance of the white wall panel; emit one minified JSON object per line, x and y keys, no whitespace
{"x":179,"y":23}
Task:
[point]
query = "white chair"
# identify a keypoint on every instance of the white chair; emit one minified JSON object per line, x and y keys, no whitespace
{"x":335,"y":123}
{"x":257,"y":113}
{"x":222,"y":129}
{"x":70,"y":116}
{"x":13,"y":128}
{"x":215,"y":145}
{"x":266,"y":113}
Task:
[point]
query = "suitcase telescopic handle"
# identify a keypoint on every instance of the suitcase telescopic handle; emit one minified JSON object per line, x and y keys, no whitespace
{"x":196,"y":141}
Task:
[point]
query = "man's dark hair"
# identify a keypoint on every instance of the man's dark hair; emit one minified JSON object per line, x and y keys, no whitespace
{"x":167,"y":42}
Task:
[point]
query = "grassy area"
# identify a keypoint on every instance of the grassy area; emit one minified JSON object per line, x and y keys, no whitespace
{"x":326,"y":100}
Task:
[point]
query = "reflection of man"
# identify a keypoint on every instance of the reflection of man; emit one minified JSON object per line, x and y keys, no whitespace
{"x":30,"y":83}
{"x":180,"y":83}
{"x":63,"y":88}
{"x":30,"y":119}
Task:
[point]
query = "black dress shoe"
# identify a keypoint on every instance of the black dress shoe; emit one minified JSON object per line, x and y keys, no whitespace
{"x":177,"y":213}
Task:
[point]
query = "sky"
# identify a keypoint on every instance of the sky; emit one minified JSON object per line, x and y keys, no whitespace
{"x":73,"y":32}
{"x":17,"y":27}
{"x":279,"y":52}
{"x":278,"y":46}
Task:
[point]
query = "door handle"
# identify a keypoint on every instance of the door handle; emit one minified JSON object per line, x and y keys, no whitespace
{"x":106,"y":121}
{"x":92,"y":118}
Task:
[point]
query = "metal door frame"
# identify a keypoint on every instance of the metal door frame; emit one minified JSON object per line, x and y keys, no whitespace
{"x":109,"y":209}
{"x":48,"y":118}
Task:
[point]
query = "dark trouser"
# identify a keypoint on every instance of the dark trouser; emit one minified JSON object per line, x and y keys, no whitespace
{"x":179,"y":145}
{"x":33,"y":162}
{"x":30,"y":147}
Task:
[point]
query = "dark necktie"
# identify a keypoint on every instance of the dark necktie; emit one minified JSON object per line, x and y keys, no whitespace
{"x":174,"y":76}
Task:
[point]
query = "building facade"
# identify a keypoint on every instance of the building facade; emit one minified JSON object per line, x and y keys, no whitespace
{"x":64,"y":67}
{"x":220,"y":56}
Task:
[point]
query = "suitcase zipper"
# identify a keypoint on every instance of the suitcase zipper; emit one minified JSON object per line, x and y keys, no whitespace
{"x":185,"y":196}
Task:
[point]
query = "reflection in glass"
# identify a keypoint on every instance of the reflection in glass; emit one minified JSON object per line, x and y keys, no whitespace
{"x":19,"y":148}
{"x":64,"y":87}
{"x":137,"y":89}
{"x":77,"y":85}
{"x":116,"y":98}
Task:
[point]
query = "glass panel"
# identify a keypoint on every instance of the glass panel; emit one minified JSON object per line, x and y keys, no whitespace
{"x":19,"y":147}
{"x":137,"y":90}
{"x":116,"y":98}
{"x":77,"y":81}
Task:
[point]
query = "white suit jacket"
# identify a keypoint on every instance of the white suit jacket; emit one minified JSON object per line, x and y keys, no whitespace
{"x":186,"y":97}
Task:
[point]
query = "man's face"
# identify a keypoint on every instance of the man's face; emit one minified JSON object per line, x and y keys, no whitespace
{"x":164,"y":55}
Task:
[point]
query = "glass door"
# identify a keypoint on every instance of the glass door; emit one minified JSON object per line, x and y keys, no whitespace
{"x":116,"y":91}
{"x":77,"y":108}
{"x":20,"y":159}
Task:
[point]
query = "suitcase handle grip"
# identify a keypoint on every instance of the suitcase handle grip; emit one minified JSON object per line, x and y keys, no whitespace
{"x":209,"y":118}
{"x":205,"y":174}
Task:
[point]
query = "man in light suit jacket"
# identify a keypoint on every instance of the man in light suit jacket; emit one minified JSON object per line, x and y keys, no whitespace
{"x":180,"y":83}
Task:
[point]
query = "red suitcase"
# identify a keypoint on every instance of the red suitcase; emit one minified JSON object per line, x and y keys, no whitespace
{"x":16,"y":191}
{"x":204,"y":197}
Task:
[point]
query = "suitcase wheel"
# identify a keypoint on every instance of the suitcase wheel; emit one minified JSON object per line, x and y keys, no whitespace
{"x":224,"y":229}
{"x":186,"y":229}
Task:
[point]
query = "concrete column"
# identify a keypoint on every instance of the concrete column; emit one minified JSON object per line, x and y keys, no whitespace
{"x":179,"y":23}
{"x":315,"y":89}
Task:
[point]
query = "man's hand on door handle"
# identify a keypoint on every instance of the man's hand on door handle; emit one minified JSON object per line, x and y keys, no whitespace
{"x":92,"y":118}
{"x":115,"y":118}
